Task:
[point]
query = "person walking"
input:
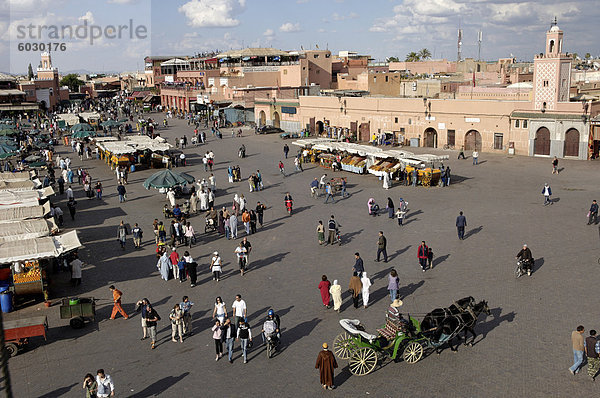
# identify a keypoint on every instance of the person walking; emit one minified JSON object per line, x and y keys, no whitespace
{"x":239,"y":309}
{"x":72,"y":209}
{"x":286,"y":150}
{"x":141,"y":306}
{"x":547,"y":192}
{"x":593,"y":213}
{"x":366,"y":284}
{"x":402,"y":210}
{"x":358,"y":267}
{"x":152,"y":319}
{"x":229,"y":336}
{"x":122,"y":192}
{"x":390,"y":207}
{"x":241,"y":252}
{"x":393,"y":284}
{"x":218,"y":338}
{"x":192,"y":268}
{"x":174,"y":257}
{"x":137,"y":236}
{"x":260,"y":208}
{"x":90,"y":386}
{"x":186,"y":309}
{"x":244,"y":333}
{"x":555,"y":165}
{"x":117,"y":294}
{"x":578,"y":349}
{"x":215,"y":266}
{"x":326,"y":364}
{"x":176,"y":317}
{"x":344,"y":193}
{"x":76,"y":265}
{"x":475,"y":157}
{"x":461,"y":223}
{"x":106,"y":387}
{"x":336,"y":294}
{"x":355,"y":288}
{"x":122,"y":234}
{"x":321,"y":232}
{"x":248,"y":247}
{"x":164,"y":265}
{"x":329,"y":193}
{"x":324,"y":286}
{"x":423,"y":255}
{"x":382,"y":247}
{"x":461,"y":153}
{"x":220,"y":311}
{"x":331,"y":230}
{"x":386,"y":180}
{"x":592,"y":352}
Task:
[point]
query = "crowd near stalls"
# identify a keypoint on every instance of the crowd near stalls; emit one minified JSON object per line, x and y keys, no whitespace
{"x":30,"y":244}
{"x":397,"y":164}
{"x":134,"y":152}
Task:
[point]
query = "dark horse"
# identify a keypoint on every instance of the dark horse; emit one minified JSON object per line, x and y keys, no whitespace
{"x":454,"y":324}
{"x":432,"y":320}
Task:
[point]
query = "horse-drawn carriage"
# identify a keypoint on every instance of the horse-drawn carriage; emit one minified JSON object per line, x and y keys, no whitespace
{"x":407,"y":338}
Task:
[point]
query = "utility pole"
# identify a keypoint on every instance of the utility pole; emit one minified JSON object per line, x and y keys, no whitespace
{"x":460,"y":36}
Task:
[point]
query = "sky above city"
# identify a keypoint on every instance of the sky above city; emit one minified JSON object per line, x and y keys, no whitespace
{"x":115,"y":35}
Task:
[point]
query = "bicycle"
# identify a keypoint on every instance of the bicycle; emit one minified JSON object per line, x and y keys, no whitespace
{"x":448,"y":146}
{"x":521,"y":270}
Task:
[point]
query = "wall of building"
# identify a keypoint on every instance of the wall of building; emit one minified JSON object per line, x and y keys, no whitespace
{"x":424,"y":67}
{"x":493,"y":93}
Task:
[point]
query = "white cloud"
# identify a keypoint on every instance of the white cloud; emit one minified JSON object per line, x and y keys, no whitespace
{"x":290,"y":27}
{"x":337,"y":17}
{"x":269,"y":32}
{"x":212,"y":13}
{"x":88,"y":16}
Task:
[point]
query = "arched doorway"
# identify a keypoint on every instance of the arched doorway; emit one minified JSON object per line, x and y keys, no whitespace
{"x":262,"y":117}
{"x":571,"y":143}
{"x":276,"y":120}
{"x":430,"y":139}
{"x":541,"y":144}
{"x":319,"y":127}
{"x":473,"y":141}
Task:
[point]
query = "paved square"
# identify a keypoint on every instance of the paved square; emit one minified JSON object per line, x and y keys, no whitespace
{"x":522,"y":349}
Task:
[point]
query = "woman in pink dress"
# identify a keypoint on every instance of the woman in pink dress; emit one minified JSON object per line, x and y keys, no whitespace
{"x":324,"y":288}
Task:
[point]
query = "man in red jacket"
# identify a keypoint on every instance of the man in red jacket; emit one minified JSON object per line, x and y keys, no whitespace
{"x":422,"y":252}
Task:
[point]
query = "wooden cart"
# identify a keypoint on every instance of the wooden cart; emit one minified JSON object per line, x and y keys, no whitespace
{"x":18,"y":332}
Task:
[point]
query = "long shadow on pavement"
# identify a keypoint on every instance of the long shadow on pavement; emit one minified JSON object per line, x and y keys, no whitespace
{"x":159,"y":386}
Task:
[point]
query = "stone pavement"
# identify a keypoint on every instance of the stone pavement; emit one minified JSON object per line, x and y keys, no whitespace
{"x":522,"y":349}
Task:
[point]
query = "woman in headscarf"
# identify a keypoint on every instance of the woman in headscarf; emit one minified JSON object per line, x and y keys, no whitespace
{"x":336,"y":293}
{"x":386,"y":180}
{"x":194,"y":203}
{"x":355,"y":287}
{"x":163,"y":265}
{"x":324,"y":288}
{"x":236,"y":204}
{"x":366,"y":284}
{"x":390,"y":207}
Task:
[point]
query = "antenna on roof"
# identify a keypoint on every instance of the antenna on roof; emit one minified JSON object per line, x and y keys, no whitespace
{"x":554,"y":22}
{"x":479,"y":40}
{"x":459,"y":44}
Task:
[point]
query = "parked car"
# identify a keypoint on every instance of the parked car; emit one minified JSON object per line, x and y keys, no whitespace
{"x":269,"y":130}
{"x":289,"y":135}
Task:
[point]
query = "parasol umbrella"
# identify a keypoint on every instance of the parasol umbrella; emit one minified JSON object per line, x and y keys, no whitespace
{"x":41,"y":163}
{"x":83,"y":134}
{"x":167,"y":179}
{"x":82,"y":127}
{"x":9,"y":131}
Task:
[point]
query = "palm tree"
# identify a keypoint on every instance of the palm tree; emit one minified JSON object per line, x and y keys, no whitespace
{"x":424,"y":54}
{"x":588,"y":55}
{"x":392,"y":59}
{"x":412,"y":57}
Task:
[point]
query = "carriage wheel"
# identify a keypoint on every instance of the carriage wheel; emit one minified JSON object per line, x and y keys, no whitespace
{"x":413,"y":352}
{"x":11,"y":349}
{"x":342,"y":345}
{"x":363,"y":361}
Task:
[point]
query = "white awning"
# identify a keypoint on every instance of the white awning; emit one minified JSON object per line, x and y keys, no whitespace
{"x":26,"y":229}
{"x":18,"y":176}
{"x":38,"y":248}
{"x":24,"y":212}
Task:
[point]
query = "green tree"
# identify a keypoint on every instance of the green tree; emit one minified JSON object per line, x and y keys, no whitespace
{"x":588,"y":55}
{"x":424,"y":54}
{"x":392,"y":59}
{"x":575,"y":55}
{"x":412,"y":57}
{"x":30,"y":72}
{"x":72,"y":81}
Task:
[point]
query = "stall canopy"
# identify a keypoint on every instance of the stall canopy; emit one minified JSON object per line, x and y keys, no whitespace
{"x":38,"y":248}
{"x":18,"y":176}
{"x":82,"y":127}
{"x":167,"y":179}
{"x":10,"y":198}
{"x":24,"y":213}
{"x":26,"y":229}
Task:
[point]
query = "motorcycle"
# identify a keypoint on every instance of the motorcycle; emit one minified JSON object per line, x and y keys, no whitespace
{"x":272,"y":342}
{"x":523,"y":267}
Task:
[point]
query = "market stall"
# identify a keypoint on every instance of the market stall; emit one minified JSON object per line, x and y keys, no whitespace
{"x":354,"y":164}
{"x":27,"y":229}
{"x":24,"y":212}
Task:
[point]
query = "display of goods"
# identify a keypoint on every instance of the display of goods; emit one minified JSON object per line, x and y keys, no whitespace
{"x":33,"y":275}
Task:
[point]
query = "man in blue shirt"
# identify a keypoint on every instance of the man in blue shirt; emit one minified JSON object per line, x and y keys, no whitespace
{"x":186,"y":307}
{"x":314,"y":185}
{"x":359,"y":267}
